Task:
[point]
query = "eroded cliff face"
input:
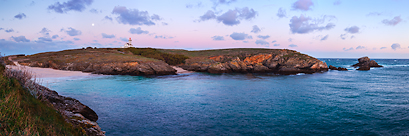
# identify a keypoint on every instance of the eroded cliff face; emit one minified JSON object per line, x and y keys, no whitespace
{"x":285,"y":62}
{"x":116,"y":68}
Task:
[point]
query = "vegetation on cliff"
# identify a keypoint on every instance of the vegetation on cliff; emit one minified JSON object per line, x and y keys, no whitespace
{"x":171,"y":59}
{"x":22,"y":114}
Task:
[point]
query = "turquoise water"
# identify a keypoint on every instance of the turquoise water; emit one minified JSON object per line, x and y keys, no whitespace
{"x":374,"y":102}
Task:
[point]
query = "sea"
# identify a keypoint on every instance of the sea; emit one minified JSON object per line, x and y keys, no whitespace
{"x":374,"y":102}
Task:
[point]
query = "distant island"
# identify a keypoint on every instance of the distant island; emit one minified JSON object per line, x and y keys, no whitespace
{"x":150,"y":61}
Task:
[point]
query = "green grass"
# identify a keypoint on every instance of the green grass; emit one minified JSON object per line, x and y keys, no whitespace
{"x":171,"y":59}
{"x":22,"y":114}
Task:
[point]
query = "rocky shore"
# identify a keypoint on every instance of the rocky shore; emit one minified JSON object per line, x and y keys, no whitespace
{"x":71,"y":109}
{"x":285,"y":62}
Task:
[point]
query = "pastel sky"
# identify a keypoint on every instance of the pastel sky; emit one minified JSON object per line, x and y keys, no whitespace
{"x":320,"y":28}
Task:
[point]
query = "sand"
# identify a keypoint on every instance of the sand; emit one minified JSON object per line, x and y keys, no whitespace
{"x":48,"y":72}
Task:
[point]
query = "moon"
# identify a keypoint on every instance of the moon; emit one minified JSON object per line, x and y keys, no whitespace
{"x":92,"y":24}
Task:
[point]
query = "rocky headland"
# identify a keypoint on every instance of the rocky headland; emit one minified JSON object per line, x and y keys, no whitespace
{"x":269,"y":61}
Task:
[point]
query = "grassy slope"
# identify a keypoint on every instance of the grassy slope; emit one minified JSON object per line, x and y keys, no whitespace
{"x":22,"y":114}
{"x":88,"y":55}
{"x":203,"y":55}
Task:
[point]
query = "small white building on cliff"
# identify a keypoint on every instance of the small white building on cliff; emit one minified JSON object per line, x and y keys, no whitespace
{"x":128,"y":44}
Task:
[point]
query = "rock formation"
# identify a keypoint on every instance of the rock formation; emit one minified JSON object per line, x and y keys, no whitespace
{"x":365,"y":63}
{"x":337,"y":68}
{"x":286,"y":62}
{"x":73,"y":111}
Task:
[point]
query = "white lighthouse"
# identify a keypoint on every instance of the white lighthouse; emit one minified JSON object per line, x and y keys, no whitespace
{"x":128,"y":44}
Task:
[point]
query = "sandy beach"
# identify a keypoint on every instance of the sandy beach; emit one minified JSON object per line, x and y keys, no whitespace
{"x":48,"y":72}
{"x":52,"y":73}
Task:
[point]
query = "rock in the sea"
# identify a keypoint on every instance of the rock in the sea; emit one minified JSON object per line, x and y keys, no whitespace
{"x":364,"y":68}
{"x":365,"y":63}
{"x":337,"y":68}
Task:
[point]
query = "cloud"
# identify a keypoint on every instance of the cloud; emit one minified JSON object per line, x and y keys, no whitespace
{"x":233,"y":17}
{"x":20,"y":16}
{"x":263,"y":37}
{"x":198,"y":5}
{"x":20,"y":39}
{"x":262,"y":42}
{"x":155,"y":17}
{"x":163,"y":23}
{"x":55,"y":36}
{"x":9,"y":30}
{"x":76,"y":5}
{"x":108,"y":18}
{"x":343,"y":36}
{"x":1,"y":28}
{"x":218,"y":2}
{"x":95,"y":11}
{"x":163,"y":37}
{"x":218,"y":38}
{"x":274,"y":41}
{"x":302,"y":5}
{"x":124,"y":39}
{"x":43,"y":40}
{"x":276,"y":44}
{"x":360,"y":47}
{"x":245,"y":41}
{"x":395,"y":46}
{"x":73,"y":32}
{"x":374,"y":14}
{"x":352,"y":30}
{"x":77,"y":39}
{"x":292,"y":45}
{"x":255,"y":29}
{"x":345,"y":49}
{"x":301,"y":25}
{"x":104,"y":35}
{"x":337,"y":2}
{"x":45,"y":31}
{"x":208,"y":15}
{"x":138,"y":31}
{"x":281,"y":13}
{"x":290,"y":39}
{"x":324,"y":38}
{"x":396,"y":20}
{"x":240,"y":36}
{"x":383,"y":48}
{"x":134,"y":16}
{"x":229,"y":18}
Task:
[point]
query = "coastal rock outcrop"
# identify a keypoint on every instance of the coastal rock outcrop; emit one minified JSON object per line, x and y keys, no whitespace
{"x":365,"y":63}
{"x":73,"y":111}
{"x":284,"y":62}
{"x":337,"y":68}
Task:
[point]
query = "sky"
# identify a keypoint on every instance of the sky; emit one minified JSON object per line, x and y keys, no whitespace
{"x":319,"y":28}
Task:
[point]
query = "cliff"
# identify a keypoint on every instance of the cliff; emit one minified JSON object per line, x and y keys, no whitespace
{"x":279,"y":61}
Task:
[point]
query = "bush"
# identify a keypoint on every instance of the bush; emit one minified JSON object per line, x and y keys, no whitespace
{"x":171,"y":59}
